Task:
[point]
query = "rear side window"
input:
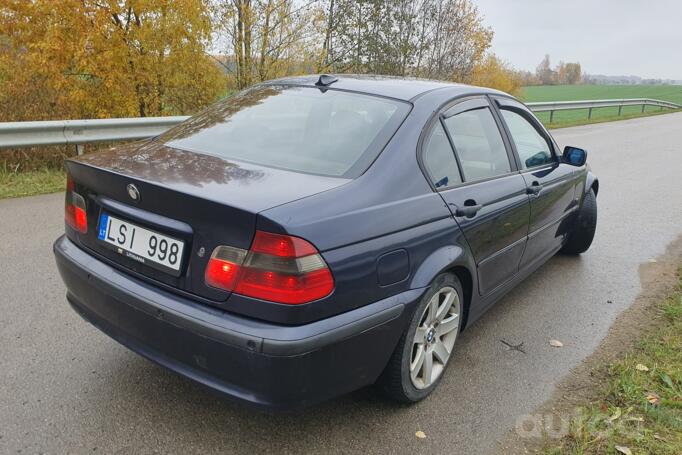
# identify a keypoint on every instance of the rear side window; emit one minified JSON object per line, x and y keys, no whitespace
{"x":532,"y":147}
{"x":439,"y":159}
{"x":478,"y":144}
{"x":303,"y":129}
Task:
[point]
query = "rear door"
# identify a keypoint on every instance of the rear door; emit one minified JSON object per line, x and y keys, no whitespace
{"x":551,"y":184}
{"x":472,"y":167}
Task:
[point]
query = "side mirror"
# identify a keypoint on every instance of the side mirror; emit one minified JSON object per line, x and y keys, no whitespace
{"x":574,"y":156}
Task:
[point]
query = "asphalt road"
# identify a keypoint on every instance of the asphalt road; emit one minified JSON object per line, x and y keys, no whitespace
{"x":65,"y":387}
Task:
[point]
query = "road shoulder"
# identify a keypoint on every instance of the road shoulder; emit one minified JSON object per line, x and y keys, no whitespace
{"x":585,"y":384}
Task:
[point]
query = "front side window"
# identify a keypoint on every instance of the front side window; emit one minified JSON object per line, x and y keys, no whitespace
{"x":328,"y":132}
{"x":439,"y":159}
{"x":532,"y":147}
{"x":478,"y":144}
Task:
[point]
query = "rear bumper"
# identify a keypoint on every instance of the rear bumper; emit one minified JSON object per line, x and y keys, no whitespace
{"x":261,"y":363}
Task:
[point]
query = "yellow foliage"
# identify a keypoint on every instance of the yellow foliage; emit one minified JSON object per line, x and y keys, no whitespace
{"x":106,"y":58}
{"x":495,"y":73}
{"x":268,"y":39}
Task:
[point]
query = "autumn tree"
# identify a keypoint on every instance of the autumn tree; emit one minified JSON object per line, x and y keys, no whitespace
{"x":266,"y":39}
{"x":458,"y":40}
{"x":358,"y":38}
{"x":572,"y":73}
{"x":115,"y":58}
{"x":495,"y":73}
{"x":106,"y":58}
{"x":440,"y":39}
{"x":528,"y":78}
{"x":544,"y":72}
{"x":563,"y":73}
{"x":560,"y":72}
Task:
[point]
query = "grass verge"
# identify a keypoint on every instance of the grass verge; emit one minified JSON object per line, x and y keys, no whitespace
{"x":637,"y":408}
{"x":672,"y":93}
{"x":562,"y":119}
{"x":29,"y":183}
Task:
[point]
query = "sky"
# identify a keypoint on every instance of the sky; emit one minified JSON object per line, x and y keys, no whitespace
{"x":611,"y":37}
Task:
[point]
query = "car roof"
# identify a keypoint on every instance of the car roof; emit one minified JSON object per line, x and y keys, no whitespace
{"x":403,"y":88}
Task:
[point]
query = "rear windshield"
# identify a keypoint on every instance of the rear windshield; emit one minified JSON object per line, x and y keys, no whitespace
{"x":305,"y":129}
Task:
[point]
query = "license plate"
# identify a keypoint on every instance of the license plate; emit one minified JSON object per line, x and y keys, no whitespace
{"x":140,"y":244}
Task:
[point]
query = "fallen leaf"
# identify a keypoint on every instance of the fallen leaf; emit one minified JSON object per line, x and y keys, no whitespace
{"x":603,"y":407}
{"x":652,"y":260}
{"x":653,"y":398}
{"x":624,"y":450}
{"x":615,"y":415}
{"x":556,"y":343}
{"x":640,"y":367}
{"x":420,"y":434}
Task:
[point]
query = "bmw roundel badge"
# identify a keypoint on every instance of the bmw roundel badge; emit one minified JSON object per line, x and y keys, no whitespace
{"x":133,"y":192}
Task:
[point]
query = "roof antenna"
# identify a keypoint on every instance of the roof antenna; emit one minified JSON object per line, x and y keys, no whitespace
{"x":326,"y":80}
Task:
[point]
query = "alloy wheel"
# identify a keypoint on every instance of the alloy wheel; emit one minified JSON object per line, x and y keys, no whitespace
{"x":435,"y":337}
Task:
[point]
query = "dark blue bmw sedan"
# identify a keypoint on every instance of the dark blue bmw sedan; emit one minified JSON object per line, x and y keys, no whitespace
{"x":313,"y":235}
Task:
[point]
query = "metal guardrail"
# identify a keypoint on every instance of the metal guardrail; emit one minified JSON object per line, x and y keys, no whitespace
{"x":80,"y":132}
{"x":553,"y":106}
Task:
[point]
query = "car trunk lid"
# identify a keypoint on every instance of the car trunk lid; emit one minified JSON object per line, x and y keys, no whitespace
{"x":201,"y":200}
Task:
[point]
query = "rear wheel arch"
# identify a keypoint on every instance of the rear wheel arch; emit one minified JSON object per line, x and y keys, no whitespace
{"x":448,"y":259}
{"x":467,"y":282}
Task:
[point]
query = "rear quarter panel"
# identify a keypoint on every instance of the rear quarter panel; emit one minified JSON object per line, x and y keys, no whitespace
{"x":389,"y":208}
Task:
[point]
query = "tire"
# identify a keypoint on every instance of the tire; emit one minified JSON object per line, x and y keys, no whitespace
{"x":581,"y":238}
{"x":398,"y":380}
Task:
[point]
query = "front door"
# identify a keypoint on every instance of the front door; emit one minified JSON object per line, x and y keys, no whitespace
{"x":551,"y":184}
{"x":470,"y":164}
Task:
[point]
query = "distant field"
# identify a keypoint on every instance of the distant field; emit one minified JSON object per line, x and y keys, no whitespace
{"x":671,"y":93}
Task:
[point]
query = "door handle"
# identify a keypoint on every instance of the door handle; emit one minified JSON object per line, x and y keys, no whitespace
{"x":534,"y":188}
{"x":468,"y":211}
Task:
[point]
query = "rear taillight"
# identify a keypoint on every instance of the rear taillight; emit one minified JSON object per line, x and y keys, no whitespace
{"x":279,"y":268}
{"x":74,"y":209}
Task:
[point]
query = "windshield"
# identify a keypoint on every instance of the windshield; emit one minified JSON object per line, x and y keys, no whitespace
{"x":305,"y":129}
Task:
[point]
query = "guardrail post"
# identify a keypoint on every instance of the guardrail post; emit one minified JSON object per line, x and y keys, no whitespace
{"x":589,"y":114}
{"x":643,"y":106}
{"x":620,"y":109}
{"x":551,"y":116}
{"x":80,"y":149}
